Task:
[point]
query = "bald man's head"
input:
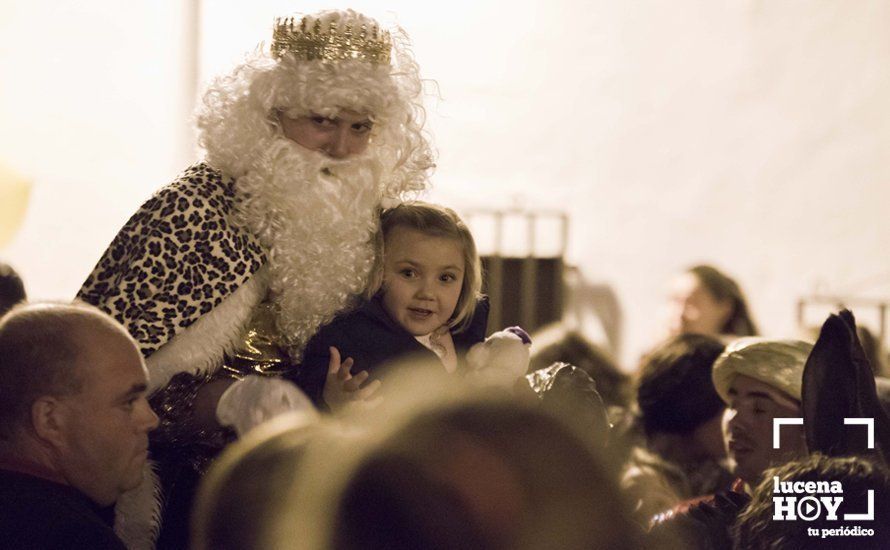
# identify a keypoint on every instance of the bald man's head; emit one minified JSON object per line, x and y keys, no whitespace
{"x":45,"y":350}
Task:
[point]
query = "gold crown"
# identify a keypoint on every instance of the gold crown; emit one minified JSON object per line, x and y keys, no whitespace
{"x":309,"y":41}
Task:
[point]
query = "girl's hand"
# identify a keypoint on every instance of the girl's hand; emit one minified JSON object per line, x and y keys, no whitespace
{"x":342,"y":388}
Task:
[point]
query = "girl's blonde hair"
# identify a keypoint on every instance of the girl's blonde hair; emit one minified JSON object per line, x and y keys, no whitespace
{"x":436,"y":221}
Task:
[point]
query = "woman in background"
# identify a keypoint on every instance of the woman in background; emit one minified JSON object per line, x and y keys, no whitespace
{"x":703,"y":300}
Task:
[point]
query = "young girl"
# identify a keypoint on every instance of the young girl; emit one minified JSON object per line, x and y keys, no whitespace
{"x":424,"y":300}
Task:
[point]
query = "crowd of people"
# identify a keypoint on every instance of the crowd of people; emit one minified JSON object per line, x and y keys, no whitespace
{"x":283,"y":348}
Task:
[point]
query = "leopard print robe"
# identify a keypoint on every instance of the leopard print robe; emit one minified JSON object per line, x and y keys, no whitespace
{"x":183,"y":280}
{"x":176,"y":259}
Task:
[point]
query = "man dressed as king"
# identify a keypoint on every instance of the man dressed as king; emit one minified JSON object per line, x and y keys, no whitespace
{"x":225,"y":273}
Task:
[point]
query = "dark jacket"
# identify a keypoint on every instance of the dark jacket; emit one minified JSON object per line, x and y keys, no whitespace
{"x":701,"y":523}
{"x":38,"y":513}
{"x":373,"y":340}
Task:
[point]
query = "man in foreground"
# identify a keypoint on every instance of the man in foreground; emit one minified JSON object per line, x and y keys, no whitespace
{"x":74,"y":423}
{"x":760,"y":380}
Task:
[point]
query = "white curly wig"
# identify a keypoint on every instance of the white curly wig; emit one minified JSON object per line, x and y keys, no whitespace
{"x":315,"y":215}
{"x":236,"y":119}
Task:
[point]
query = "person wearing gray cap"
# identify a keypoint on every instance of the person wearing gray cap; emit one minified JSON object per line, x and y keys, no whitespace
{"x":760,"y":380}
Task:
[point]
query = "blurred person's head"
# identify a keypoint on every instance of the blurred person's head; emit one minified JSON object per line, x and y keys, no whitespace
{"x":247,"y":485}
{"x":72,"y":397}
{"x":679,"y":408}
{"x":757,"y":528}
{"x":472,"y":473}
{"x":317,"y":131}
{"x":12,"y":289}
{"x":759,"y":380}
{"x":703,"y":300}
{"x":556,"y":344}
{"x":571,"y":394}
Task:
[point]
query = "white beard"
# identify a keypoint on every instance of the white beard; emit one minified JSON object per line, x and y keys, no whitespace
{"x":316,"y":217}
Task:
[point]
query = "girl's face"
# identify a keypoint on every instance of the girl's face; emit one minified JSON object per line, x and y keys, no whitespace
{"x":693,"y":309}
{"x":422,"y":279}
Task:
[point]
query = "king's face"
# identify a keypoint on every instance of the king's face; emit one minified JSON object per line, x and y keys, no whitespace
{"x":346,"y":134}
